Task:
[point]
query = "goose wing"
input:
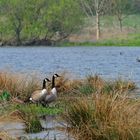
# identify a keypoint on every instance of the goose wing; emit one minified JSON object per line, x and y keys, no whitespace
{"x":50,"y":98}
{"x":38,"y":95}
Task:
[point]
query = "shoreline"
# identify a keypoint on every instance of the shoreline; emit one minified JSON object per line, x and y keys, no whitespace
{"x":131,"y":40}
{"x":104,"y":43}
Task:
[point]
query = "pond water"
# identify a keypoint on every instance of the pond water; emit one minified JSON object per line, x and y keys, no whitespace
{"x":53,"y":129}
{"x":108,"y":62}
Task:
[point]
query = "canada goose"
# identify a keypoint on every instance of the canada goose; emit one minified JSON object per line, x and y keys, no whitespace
{"x":38,"y":95}
{"x":53,"y":94}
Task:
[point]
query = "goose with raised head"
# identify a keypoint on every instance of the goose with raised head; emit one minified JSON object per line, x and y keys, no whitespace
{"x":53,"y":93}
{"x":39,"y":95}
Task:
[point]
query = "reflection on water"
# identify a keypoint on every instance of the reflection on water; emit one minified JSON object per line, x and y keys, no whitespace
{"x":109,"y":62}
{"x":54,"y":129}
{"x":49,"y":135}
{"x":14,"y":129}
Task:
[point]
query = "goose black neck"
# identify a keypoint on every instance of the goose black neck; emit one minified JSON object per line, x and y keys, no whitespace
{"x":53,"y":82}
{"x":44,"y":84}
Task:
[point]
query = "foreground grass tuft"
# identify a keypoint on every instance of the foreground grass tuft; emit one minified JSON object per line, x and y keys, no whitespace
{"x":92,"y":84}
{"x":105,"y":117}
{"x":31,"y":114}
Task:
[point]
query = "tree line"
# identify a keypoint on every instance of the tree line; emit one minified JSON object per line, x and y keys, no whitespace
{"x":29,"y":22}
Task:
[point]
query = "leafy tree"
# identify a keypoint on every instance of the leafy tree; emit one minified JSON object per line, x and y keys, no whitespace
{"x":94,"y":8}
{"x":14,"y":12}
{"x":40,"y":19}
{"x":34,"y":24}
{"x":136,"y":6}
{"x":122,"y":8}
{"x":63,"y":18}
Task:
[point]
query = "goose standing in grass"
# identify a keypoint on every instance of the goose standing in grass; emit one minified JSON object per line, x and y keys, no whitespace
{"x":38,"y":95}
{"x":53,"y":94}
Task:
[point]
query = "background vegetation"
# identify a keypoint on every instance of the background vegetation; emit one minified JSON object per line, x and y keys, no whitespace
{"x":41,"y":22}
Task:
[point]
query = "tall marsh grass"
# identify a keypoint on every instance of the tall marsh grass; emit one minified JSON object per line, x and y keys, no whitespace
{"x":105,"y":117}
{"x":22,"y":85}
{"x":92,"y":84}
{"x":5,"y":136}
{"x":18,"y":85}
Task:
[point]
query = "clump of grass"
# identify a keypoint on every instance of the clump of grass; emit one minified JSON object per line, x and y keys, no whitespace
{"x":92,"y":84}
{"x":5,"y":136}
{"x":27,"y":113}
{"x":67,"y":86}
{"x":86,"y":89}
{"x":63,"y":83}
{"x":123,"y":85}
{"x":22,"y":85}
{"x":96,"y":81}
{"x":118,"y":85}
{"x":105,"y":117}
{"x":31,"y":119}
{"x":77,"y":86}
{"x":5,"y":108}
{"x":18,"y":84}
{"x":89,"y":85}
{"x":4,"y":96}
{"x":31,"y":112}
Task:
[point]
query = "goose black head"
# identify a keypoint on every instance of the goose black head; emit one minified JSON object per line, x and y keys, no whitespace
{"x":53,"y":79}
{"x":44,"y":82}
{"x":56,"y":75}
{"x":47,"y":80}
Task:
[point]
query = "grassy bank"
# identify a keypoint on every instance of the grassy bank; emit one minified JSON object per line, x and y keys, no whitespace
{"x":130,"y":40}
{"x":110,"y":32}
{"x":94,"y":108}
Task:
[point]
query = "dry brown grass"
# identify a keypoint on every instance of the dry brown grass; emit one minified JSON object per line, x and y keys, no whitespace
{"x":90,"y":84}
{"x":12,"y":115}
{"x":22,"y":85}
{"x":5,"y":136}
{"x":123,"y":85}
{"x":67,"y":86}
{"x":18,"y":85}
{"x":105,"y":117}
{"x":95,"y":81}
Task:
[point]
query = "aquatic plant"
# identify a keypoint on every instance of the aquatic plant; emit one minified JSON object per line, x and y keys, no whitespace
{"x":31,"y":115}
{"x":5,"y":96}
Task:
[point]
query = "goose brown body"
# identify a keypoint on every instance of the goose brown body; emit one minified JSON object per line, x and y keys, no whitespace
{"x":39,"y":95}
